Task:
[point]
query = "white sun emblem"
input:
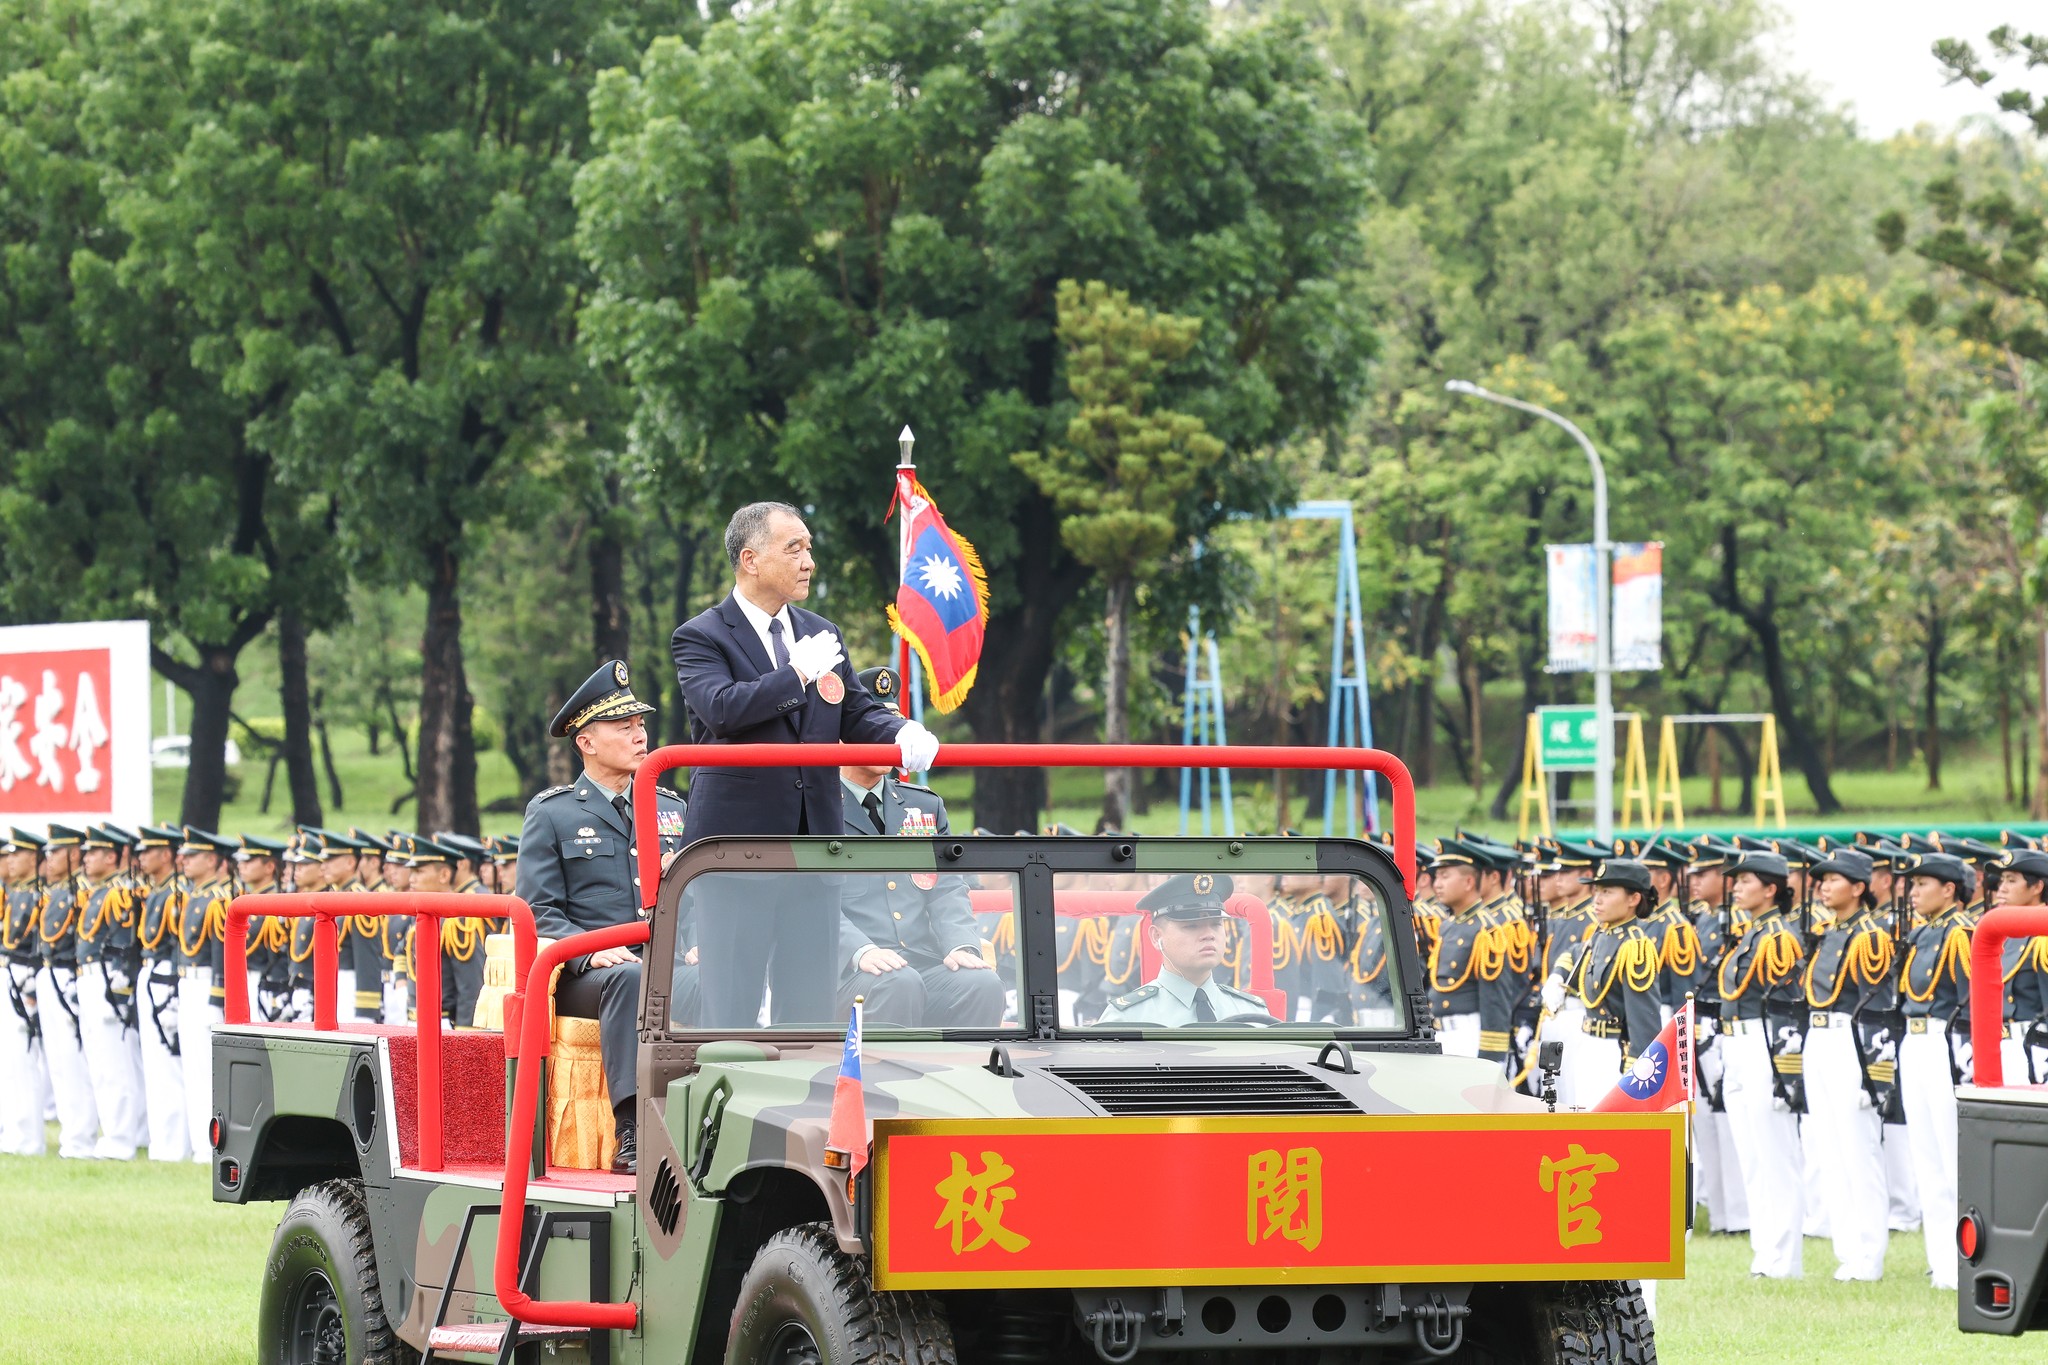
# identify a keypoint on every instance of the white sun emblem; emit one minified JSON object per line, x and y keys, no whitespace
{"x":941,"y":577}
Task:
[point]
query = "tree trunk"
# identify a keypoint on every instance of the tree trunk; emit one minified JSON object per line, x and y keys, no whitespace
{"x":2004,"y":683}
{"x":326,"y":750}
{"x":1511,"y":776}
{"x":1006,"y":706}
{"x":1475,"y":701}
{"x":296,"y":694}
{"x":675,"y":722}
{"x":447,"y":748}
{"x":2037,"y":809}
{"x":1796,"y":740}
{"x":611,"y":630}
{"x":1930,"y":722}
{"x":1116,"y":690}
{"x":211,"y":687}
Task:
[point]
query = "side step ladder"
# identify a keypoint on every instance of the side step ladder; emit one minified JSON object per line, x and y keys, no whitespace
{"x":507,"y":1337}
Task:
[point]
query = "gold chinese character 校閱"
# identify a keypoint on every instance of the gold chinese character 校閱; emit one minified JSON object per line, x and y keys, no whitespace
{"x":1284,"y":1196}
{"x":1572,"y":1176}
{"x":978,"y":1199}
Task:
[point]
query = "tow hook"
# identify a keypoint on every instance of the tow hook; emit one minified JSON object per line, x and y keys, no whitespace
{"x":1116,"y":1331}
{"x":1440,"y":1325}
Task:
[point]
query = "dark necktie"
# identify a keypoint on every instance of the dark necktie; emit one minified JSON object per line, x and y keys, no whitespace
{"x":778,"y":648}
{"x":1205,"y":1013}
{"x":624,"y":808}
{"x":874,"y":805}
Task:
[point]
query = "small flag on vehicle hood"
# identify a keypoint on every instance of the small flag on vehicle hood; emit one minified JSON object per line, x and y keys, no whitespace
{"x":1662,"y":1077}
{"x":848,"y":1133}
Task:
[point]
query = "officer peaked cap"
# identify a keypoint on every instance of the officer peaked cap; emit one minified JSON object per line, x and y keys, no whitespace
{"x":2026,"y":861}
{"x":605,"y":695}
{"x":884,"y":682}
{"x":1189,"y":896}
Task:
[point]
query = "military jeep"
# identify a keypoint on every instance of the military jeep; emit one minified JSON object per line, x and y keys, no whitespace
{"x":1304,"y":1178}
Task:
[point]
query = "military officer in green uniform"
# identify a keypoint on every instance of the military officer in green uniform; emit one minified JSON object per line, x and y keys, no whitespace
{"x":1188,"y":930}
{"x":913,"y":950}
{"x":579,"y":869}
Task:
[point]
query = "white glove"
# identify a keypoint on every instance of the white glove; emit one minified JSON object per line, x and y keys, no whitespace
{"x":1553,"y":995}
{"x":918,"y":746}
{"x":816,"y":655}
{"x":1863,"y":1100}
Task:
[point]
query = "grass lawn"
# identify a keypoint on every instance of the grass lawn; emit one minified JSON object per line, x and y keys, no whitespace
{"x":133,"y":1262}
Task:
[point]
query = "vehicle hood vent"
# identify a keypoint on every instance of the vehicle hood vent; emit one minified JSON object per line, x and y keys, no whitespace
{"x":1255,"y":1089}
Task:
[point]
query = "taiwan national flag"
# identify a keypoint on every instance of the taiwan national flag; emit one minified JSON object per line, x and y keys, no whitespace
{"x":941,"y":605}
{"x":1662,"y":1077}
{"x":847,"y":1133}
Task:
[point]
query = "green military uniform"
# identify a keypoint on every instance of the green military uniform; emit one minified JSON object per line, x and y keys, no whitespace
{"x":921,"y":920}
{"x":1172,"y":1000}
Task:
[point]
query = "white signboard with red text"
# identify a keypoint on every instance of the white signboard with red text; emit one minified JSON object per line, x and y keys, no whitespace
{"x":74,"y":724}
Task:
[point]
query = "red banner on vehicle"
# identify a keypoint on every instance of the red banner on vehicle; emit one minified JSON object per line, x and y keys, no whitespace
{"x":1239,"y":1200}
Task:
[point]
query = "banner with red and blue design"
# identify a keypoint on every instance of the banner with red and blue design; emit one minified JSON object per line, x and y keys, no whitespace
{"x":941,"y":606}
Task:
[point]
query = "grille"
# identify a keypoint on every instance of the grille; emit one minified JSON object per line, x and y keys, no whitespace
{"x":1260,"y":1089}
{"x":665,"y":1200}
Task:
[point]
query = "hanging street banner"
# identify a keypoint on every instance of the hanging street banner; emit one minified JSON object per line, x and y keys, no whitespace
{"x":1638,"y":606}
{"x":1568,"y":738}
{"x":1637,"y":603}
{"x":74,"y":724}
{"x":1574,"y":609}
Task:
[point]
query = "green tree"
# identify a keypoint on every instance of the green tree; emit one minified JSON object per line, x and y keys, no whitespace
{"x":130,"y":487}
{"x":1760,"y":425}
{"x":829,"y":217}
{"x":369,"y":215}
{"x":1125,"y":475}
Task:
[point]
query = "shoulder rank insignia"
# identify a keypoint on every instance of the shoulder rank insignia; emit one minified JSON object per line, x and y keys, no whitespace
{"x":1136,"y":997}
{"x":556,"y":791}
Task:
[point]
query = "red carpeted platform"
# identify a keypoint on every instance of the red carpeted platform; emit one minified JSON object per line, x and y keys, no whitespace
{"x":472,"y":1096}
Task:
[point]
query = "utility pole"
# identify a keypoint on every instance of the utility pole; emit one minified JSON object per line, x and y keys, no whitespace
{"x":1603,"y":627}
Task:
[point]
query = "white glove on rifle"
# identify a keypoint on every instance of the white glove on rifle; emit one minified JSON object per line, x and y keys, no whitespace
{"x":918,"y":746}
{"x":1553,"y":995}
{"x":816,"y":655}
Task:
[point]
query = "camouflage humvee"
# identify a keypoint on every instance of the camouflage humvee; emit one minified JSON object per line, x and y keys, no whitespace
{"x":1264,"y":1185}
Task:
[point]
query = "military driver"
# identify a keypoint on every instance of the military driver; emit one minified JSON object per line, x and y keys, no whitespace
{"x":1188,"y":929}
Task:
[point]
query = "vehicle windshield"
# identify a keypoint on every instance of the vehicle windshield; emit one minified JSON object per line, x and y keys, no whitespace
{"x":760,"y":944}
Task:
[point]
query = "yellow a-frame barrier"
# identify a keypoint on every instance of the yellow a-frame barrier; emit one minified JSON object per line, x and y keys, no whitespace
{"x":1535,"y":791}
{"x":1635,"y":777}
{"x":1770,"y":777}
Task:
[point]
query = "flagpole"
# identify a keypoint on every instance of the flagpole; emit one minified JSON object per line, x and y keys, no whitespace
{"x":904,"y":465}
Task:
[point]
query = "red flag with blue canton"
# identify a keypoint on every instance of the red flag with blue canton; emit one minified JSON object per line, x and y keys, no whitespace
{"x":941,"y":605}
{"x":848,"y":1132}
{"x":1661,"y":1078}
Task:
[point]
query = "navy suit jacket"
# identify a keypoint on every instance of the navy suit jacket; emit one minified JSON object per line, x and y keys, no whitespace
{"x":736,"y":698}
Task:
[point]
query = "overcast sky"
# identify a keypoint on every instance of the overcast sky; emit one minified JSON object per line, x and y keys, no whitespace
{"x":1874,"y":55}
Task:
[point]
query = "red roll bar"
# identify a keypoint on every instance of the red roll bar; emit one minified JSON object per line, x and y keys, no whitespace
{"x":1987,"y":982}
{"x":429,"y":908}
{"x":532,"y":1046}
{"x":1401,"y":785}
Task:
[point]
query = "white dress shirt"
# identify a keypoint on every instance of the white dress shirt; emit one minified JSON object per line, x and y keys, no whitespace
{"x":759,"y":620}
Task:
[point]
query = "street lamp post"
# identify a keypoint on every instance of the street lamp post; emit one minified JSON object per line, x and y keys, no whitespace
{"x":1603,"y":646}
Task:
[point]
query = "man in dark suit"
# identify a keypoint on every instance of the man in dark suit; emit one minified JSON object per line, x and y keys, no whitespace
{"x":577,"y":871}
{"x":911,"y":945}
{"x":757,"y":669}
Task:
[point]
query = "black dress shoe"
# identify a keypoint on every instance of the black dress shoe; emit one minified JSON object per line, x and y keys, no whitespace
{"x":627,"y":1160}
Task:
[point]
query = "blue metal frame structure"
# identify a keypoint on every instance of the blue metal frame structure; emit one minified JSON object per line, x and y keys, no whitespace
{"x":1349,"y":692}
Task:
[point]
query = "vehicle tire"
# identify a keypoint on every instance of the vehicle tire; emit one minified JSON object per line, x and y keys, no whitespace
{"x":806,"y":1302}
{"x":1588,"y":1322}
{"x":320,"y":1302}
